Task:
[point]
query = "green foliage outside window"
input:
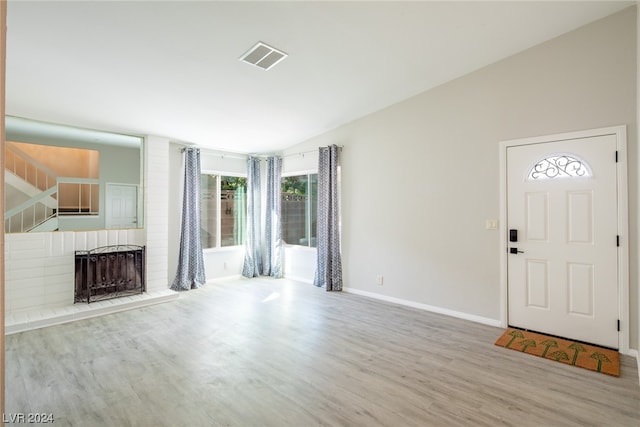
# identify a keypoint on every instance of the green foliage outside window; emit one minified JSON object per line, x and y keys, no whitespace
{"x":232,"y":182}
{"x":294,"y":185}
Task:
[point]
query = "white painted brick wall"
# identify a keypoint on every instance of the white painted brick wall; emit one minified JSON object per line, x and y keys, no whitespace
{"x":156,"y":211}
{"x":39,"y":267}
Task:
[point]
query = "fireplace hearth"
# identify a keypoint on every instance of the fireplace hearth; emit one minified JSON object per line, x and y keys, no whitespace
{"x":109,"y":272}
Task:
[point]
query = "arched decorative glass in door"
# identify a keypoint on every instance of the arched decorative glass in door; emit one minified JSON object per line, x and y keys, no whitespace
{"x":559,"y":166}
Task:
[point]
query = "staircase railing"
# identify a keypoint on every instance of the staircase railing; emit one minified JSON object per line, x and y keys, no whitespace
{"x":28,"y":169}
{"x":28,"y":215}
{"x":83,"y":192}
{"x":57,"y":196}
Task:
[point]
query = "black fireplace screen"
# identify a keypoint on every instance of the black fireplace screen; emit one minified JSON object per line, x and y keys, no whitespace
{"x":109,"y":272}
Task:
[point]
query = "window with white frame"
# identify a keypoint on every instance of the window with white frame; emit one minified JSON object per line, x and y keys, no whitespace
{"x":299,"y":209}
{"x":223,"y":210}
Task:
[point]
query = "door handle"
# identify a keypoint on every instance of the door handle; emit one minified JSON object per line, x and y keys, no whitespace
{"x":515,"y":251}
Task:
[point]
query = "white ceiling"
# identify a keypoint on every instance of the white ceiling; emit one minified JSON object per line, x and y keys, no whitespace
{"x":172,"y":68}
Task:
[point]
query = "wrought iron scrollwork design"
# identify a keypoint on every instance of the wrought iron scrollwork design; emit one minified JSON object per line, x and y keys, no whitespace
{"x":108,"y":272}
{"x":558,"y":167}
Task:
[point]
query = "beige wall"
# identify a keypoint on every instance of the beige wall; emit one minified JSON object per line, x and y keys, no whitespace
{"x":421,"y":177}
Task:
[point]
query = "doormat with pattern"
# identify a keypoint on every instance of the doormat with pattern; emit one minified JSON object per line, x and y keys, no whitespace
{"x":561,"y":350}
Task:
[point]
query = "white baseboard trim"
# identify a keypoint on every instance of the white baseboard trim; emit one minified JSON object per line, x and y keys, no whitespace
{"x":36,"y":319}
{"x":633,"y":352}
{"x":426,"y":307}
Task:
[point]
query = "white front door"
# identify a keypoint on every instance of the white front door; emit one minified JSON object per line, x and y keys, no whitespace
{"x":562,"y":221}
{"x":121,"y":206}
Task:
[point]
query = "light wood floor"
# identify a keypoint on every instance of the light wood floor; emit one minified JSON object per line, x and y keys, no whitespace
{"x":267,"y":352}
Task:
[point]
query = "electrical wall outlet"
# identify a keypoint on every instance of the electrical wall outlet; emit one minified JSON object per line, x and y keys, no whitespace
{"x":379,"y":280}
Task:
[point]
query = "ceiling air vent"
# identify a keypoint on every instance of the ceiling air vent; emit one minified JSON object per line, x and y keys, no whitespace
{"x":263,"y":56}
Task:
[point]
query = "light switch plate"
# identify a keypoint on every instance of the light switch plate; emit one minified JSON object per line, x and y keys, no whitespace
{"x":491,"y":224}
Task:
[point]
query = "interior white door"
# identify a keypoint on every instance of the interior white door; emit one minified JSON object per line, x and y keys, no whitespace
{"x":121,"y":206}
{"x":563,"y":266}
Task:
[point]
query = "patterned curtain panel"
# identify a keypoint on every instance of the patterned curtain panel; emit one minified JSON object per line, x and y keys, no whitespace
{"x":190,"y":274}
{"x":329,"y":268}
{"x":253,"y":253}
{"x":273,"y":235}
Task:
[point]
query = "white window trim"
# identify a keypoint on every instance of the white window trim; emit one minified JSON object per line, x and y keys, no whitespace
{"x":307,"y":212}
{"x":218,"y":245}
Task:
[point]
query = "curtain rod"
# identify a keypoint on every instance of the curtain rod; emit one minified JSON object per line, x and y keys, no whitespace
{"x":214,"y":152}
{"x":246,"y":156}
{"x":302,"y":153}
